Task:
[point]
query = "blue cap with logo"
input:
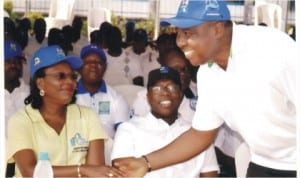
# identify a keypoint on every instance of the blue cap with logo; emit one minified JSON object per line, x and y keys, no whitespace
{"x":93,"y":49}
{"x":50,"y":55}
{"x":12,"y":49}
{"x":195,"y":12}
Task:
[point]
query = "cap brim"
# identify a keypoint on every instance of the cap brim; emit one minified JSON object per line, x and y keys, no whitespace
{"x":180,"y":22}
{"x":74,"y":61}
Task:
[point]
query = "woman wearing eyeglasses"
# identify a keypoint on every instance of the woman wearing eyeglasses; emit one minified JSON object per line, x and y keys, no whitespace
{"x":143,"y":134}
{"x":70,"y":133}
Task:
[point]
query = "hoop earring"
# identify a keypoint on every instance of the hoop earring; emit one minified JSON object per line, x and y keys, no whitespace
{"x":42,"y":92}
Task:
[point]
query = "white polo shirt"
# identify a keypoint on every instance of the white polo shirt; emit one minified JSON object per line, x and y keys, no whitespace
{"x":111,"y":107}
{"x":142,"y":135}
{"x":15,"y":100}
{"x":226,"y":140}
{"x":255,"y":96}
{"x":122,"y":69}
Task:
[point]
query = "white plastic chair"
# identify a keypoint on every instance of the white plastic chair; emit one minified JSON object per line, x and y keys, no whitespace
{"x":95,"y":17}
{"x":61,"y":13}
{"x":268,"y":13}
{"x":129,"y":91}
{"x":242,"y":159}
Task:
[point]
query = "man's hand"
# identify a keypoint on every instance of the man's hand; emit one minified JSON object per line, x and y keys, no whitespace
{"x":133,"y":167}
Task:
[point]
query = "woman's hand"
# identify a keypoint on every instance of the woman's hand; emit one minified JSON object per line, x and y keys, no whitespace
{"x":133,"y":167}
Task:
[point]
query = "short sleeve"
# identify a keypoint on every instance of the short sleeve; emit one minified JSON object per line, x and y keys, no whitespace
{"x":19,"y":133}
{"x":210,"y":160}
{"x":206,"y":117}
{"x":123,"y":142}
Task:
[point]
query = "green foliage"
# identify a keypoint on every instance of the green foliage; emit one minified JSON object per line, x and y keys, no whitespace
{"x":147,"y":24}
{"x":84,"y":28}
{"x":8,"y":6}
{"x":34,"y":15}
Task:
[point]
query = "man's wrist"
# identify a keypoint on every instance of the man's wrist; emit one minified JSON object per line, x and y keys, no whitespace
{"x":147,"y":162}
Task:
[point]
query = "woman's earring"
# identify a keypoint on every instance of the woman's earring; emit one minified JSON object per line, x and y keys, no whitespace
{"x":42,"y":92}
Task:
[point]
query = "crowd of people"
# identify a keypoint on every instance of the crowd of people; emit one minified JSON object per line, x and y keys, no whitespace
{"x":208,"y":88}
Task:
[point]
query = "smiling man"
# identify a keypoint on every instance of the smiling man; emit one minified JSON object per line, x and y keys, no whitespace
{"x":246,"y":79}
{"x":160,"y":126}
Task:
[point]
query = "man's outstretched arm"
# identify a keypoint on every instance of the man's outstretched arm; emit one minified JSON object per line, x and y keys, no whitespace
{"x":186,"y":146}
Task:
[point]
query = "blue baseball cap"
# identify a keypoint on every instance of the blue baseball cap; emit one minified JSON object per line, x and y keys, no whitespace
{"x":50,"y":55}
{"x":195,"y":12}
{"x":93,"y":49}
{"x":12,"y":49}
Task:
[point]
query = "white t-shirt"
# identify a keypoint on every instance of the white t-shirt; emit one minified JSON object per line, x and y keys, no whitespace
{"x":255,"y":96}
{"x":121,"y":70}
{"x":142,"y":135}
{"x":15,"y":100}
{"x":111,"y":107}
{"x":226,"y":140}
{"x":147,"y":60}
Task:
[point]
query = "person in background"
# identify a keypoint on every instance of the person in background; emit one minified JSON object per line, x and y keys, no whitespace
{"x":92,"y":91}
{"x":120,"y":68}
{"x":56,"y":37}
{"x":104,"y":31}
{"x":141,"y":52}
{"x":22,"y":28}
{"x":129,"y":31}
{"x":246,"y":81}
{"x":164,"y":42}
{"x":78,"y":40}
{"x":95,"y":38}
{"x":36,"y":41}
{"x":16,"y":90}
{"x":9,"y":29}
{"x":160,"y":126}
{"x":71,"y":134}
{"x":175,"y":59}
{"x":67,"y":32}
{"x":77,"y":25}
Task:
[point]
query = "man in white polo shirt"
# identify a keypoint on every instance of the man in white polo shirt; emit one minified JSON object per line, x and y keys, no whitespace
{"x":162,"y":124}
{"x":247,"y":79}
{"x":92,"y":90}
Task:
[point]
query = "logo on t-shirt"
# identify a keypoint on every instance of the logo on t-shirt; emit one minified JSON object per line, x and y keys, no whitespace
{"x":104,"y":107}
{"x":79,"y":143}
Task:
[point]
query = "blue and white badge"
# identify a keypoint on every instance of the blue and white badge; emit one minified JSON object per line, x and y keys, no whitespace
{"x":193,"y":103}
{"x":104,"y":107}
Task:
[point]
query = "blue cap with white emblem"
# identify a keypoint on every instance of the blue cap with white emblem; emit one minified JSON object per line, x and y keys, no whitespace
{"x":195,"y":12}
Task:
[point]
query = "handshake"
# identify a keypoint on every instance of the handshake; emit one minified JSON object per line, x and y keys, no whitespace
{"x":130,"y":167}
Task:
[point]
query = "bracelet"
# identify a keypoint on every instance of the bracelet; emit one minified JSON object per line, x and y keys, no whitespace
{"x":78,"y":170}
{"x":148,"y":163}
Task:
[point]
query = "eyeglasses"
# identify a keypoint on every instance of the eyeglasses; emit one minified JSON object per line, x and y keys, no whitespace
{"x":63,"y":76}
{"x":169,"y":88}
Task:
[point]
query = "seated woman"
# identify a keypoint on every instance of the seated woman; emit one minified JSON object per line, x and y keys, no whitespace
{"x":71,"y":134}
